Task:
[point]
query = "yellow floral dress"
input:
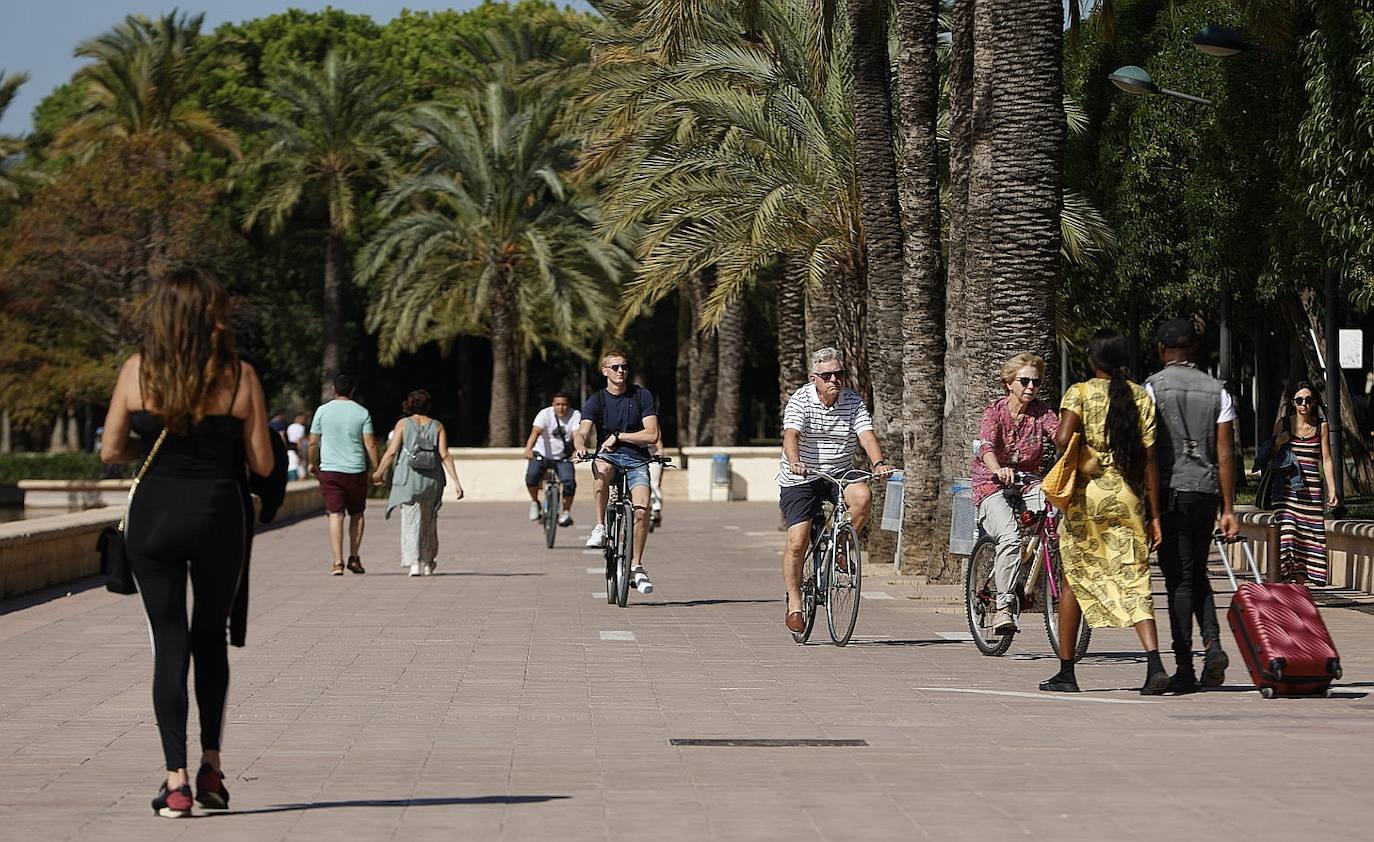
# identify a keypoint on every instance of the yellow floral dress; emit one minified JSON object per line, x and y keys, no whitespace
{"x":1102,"y":538}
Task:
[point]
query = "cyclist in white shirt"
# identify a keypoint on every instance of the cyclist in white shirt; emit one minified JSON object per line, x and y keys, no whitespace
{"x":550,"y":440}
{"x":821,"y":426}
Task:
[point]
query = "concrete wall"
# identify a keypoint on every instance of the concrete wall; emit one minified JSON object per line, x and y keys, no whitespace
{"x":73,"y":494}
{"x":52,"y":550}
{"x":753,"y":473}
{"x":497,"y":475}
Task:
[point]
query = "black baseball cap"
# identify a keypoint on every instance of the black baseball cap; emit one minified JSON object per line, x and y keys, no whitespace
{"x":1177,"y":333}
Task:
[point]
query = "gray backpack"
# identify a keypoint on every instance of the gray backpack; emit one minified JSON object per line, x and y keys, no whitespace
{"x":423,"y":446}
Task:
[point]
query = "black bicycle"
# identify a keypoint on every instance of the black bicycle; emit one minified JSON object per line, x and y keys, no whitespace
{"x":620,"y":528}
{"x":552,"y":497}
{"x":836,"y":564}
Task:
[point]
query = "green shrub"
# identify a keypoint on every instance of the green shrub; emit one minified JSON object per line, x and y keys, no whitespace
{"x":17,"y":466}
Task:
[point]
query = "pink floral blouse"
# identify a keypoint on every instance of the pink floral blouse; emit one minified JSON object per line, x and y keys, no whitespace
{"x":1017,"y":442}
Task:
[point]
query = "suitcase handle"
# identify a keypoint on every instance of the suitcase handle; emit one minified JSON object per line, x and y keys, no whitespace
{"x":1249,"y":556}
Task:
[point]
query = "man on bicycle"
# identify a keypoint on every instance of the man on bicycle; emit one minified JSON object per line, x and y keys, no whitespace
{"x":549,"y":441}
{"x":626,"y":421}
{"x":820,"y":427}
{"x":1012,"y":437}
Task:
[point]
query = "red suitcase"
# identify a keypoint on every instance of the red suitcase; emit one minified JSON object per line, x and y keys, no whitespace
{"x":1281,"y":636}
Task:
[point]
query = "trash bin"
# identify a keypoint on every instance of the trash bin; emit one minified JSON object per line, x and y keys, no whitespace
{"x":721,"y":478}
{"x":963,"y":522}
{"x":892,"y":503}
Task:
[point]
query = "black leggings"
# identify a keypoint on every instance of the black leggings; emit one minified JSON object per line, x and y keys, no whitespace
{"x":1187,"y":524}
{"x":173,"y":523}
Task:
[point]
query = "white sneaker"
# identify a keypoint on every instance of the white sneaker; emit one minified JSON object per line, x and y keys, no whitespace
{"x":639,"y":580}
{"x":565,"y":519}
{"x":415,"y":569}
{"x":428,"y":569}
{"x":534,"y":510}
{"x":598,"y":536}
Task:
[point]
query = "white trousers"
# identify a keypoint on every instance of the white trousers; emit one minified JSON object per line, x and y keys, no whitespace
{"x":997,"y":520}
{"x":419,"y":533}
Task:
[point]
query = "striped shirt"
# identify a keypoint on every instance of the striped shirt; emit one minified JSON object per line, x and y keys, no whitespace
{"x":829,"y":434}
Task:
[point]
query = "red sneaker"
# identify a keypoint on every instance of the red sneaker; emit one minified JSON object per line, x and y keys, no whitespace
{"x":173,"y":803}
{"x":210,"y":790}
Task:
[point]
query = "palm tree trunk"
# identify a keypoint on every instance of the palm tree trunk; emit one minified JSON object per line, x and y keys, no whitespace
{"x":730,"y":366}
{"x":686,"y":336}
{"x":1027,"y":179}
{"x":703,"y":361}
{"x":882,"y":235}
{"x":331,"y":330}
{"x":923,"y":340}
{"x":820,"y":317}
{"x":791,"y":318}
{"x":501,"y":427}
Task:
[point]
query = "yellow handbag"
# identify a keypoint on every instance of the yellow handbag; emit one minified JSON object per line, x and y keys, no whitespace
{"x":1078,"y":457}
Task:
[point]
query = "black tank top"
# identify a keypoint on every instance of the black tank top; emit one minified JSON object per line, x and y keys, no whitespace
{"x":213,"y":449}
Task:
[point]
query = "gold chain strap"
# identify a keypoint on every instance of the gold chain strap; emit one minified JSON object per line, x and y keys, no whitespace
{"x":157,"y":445}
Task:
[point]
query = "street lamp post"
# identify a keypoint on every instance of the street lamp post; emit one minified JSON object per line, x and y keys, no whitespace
{"x":1333,"y":381}
{"x":1136,"y":80}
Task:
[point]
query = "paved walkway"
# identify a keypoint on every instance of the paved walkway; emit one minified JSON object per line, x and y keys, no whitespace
{"x":504,"y":699}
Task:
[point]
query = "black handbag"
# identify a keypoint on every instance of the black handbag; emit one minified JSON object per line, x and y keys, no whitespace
{"x":114,"y":556}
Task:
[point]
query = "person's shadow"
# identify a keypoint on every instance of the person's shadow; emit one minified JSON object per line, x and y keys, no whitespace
{"x":395,"y":802}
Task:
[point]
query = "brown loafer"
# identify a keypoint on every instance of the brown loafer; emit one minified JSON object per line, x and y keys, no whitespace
{"x":796,"y":622}
{"x":355,"y":564}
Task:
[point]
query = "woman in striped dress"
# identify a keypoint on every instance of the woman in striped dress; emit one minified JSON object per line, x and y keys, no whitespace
{"x":1302,"y":527}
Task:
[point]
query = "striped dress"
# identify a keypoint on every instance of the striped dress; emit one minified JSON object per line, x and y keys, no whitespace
{"x":1302,"y":528}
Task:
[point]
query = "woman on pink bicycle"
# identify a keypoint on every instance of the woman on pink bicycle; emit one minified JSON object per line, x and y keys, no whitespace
{"x":1013,"y":437}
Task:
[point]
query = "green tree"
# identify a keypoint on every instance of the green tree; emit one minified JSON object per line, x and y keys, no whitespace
{"x":326,"y":143}
{"x":487,"y":236}
{"x":142,"y":81}
{"x":9,"y":146}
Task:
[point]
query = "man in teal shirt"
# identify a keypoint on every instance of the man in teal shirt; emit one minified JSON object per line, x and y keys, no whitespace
{"x":343,"y":451}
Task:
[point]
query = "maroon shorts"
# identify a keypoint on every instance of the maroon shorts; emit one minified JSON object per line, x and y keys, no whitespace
{"x":343,"y":492}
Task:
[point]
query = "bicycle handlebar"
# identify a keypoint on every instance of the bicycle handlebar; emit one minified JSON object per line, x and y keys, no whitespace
{"x":849,"y":477}
{"x":665,"y":461}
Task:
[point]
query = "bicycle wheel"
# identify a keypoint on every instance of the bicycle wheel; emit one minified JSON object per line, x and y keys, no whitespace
{"x":609,"y":552}
{"x":842,"y":592}
{"x":808,"y":590}
{"x":981,"y":599}
{"x":1051,"y":605}
{"x":552,"y":499}
{"x":624,"y":552}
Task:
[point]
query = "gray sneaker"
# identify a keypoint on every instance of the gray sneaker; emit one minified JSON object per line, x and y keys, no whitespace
{"x":1004,"y":622}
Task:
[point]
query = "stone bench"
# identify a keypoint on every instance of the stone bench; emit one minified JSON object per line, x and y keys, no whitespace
{"x":1349,"y":548}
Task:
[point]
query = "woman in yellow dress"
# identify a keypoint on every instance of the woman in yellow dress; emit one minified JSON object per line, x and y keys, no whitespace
{"x":1104,"y":538}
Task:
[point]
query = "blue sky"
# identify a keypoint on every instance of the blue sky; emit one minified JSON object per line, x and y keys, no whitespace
{"x":41,"y":34}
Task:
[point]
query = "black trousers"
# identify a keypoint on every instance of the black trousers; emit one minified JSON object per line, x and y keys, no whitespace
{"x":178,"y":528}
{"x":1188,"y":521}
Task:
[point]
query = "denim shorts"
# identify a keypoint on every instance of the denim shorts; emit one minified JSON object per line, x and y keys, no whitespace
{"x":636,"y":477}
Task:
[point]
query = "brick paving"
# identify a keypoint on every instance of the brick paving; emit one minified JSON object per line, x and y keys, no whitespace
{"x":504,"y":699}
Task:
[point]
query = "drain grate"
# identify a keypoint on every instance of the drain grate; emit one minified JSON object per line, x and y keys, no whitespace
{"x":744,"y":742}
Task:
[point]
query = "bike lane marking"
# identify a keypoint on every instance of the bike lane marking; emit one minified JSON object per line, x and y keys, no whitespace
{"x":618,"y":635}
{"x":876,"y":595}
{"x":1049,"y":697}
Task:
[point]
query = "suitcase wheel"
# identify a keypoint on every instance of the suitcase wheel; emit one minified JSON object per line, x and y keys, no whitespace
{"x":1267,"y":692}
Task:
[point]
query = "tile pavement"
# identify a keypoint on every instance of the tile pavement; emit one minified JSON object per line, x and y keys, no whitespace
{"x":504,"y":699}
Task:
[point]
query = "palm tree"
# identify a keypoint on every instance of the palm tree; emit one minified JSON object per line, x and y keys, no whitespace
{"x":328,"y":142}
{"x":142,"y":81}
{"x":9,"y":146}
{"x":487,"y":236}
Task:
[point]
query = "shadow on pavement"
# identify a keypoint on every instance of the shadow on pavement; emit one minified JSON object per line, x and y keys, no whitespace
{"x":938,"y":641}
{"x":395,"y":802}
{"x":48,"y":594}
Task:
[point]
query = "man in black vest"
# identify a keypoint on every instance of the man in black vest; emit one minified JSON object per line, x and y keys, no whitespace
{"x":1197,"y":480}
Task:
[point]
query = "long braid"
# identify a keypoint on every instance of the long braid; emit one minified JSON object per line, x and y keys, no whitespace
{"x":1107,"y":352}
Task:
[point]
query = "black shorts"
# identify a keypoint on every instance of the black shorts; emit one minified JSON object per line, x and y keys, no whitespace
{"x":801,"y":503}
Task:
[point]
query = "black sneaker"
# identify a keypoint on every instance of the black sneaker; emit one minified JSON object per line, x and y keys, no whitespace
{"x":1214,"y":665}
{"x":1060,"y":683}
{"x":172,"y":803}
{"x":210,"y":789}
{"x":1182,"y":683}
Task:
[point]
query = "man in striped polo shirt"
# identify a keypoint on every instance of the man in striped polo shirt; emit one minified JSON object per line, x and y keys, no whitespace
{"x":822,"y":423}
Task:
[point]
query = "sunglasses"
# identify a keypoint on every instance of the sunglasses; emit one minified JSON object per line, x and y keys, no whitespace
{"x":1304,"y":401}
{"x":619,"y":367}
{"x":1027,"y":382}
{"x":827,"y":376}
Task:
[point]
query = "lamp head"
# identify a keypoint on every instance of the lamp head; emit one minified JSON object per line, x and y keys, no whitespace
{"x":1133,"y":80}
{"x":1219,"y":41}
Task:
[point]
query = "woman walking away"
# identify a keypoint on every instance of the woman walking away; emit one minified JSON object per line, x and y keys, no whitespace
{"x":1104,"y":539}
{"x":419,"y":449}
{"x":1302,"y":527}
{"x":187,"y":389}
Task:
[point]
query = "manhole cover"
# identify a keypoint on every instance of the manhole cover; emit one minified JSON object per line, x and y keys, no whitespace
{"x":743,"y":742}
